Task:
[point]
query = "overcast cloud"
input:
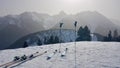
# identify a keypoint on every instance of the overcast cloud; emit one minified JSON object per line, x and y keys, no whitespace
{"x":109,"y":8}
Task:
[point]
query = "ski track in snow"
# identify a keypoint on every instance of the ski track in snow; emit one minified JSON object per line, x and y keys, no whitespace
{"x":89,"y":55}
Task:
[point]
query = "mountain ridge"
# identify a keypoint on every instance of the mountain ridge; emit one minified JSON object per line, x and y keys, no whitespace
{"x":31,"y":22}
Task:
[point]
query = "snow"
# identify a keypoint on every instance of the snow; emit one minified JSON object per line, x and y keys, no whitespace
{"x":89,"y":55}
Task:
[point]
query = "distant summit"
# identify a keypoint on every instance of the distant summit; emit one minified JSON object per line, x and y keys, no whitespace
{"x":62,"y":13}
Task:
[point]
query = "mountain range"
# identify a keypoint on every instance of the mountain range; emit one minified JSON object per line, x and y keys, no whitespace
{"x":13,"y":27}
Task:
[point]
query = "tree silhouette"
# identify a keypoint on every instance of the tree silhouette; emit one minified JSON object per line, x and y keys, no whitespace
{"x":53,"y":40}
{"x":25,"y":44}
{"x":39,"y":42}
{"x":115,"y":35}
{"x":56,"y":39}
{"x":110,"y":36}
{"x":84,"y":34}
{"x":45,"y":40}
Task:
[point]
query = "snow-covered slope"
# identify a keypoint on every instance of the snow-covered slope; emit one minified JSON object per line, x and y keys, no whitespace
{"x":89,"y":55}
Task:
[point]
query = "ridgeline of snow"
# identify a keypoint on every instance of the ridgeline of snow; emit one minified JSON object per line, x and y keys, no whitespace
{"x":89,"y":55}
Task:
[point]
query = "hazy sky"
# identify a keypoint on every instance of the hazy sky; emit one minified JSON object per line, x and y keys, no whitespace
{"x":110,"y":8}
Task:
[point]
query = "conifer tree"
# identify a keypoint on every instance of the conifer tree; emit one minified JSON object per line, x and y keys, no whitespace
{"x":25,"y":44}
{"x":110,"y":36}
{"x":39,"y":42}
{"x":84,"y":34}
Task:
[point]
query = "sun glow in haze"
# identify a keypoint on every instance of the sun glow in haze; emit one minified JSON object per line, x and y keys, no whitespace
{"x":77,"y":3}
{"x":76,"y":6}
{"x":73,"y":1}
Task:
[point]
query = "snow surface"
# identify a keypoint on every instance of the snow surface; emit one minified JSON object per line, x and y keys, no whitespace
{"x":89,"y":55}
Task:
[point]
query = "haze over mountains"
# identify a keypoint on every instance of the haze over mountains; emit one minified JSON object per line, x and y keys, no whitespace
{"x":13,"y":27}
{"x":97,"y":22}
